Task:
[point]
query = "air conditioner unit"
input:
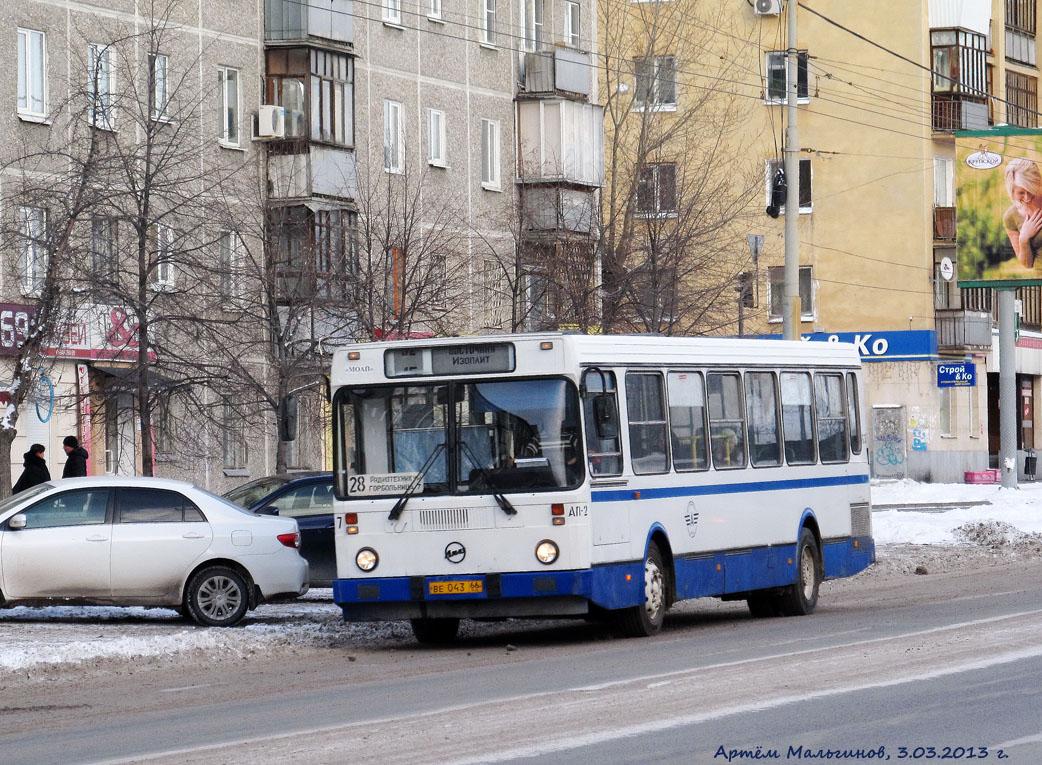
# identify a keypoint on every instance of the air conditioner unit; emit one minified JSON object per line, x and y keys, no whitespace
{"x":271,"y":121}
{"x":767,"y":7}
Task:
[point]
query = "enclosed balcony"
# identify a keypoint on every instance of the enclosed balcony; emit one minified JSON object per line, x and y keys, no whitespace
{"x":561,"y":69}
{"x":299,"y":172}
{"x":299,"y":20}
{"x":560,"y":141}
{"x":962,"y":330}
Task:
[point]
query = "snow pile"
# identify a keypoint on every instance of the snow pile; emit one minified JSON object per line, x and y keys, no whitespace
{"x":999,"y":535}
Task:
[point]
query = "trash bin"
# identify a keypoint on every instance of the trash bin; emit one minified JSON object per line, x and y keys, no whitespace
{"x":1030,"y":464}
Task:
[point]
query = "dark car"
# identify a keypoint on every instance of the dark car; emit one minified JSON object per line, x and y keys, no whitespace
{"x":308,"y":497}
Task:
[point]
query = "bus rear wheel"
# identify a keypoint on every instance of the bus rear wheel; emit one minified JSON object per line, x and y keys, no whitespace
{"x":646,"y":619}
{"x":435,"y":631}
{"x":799,"y":599}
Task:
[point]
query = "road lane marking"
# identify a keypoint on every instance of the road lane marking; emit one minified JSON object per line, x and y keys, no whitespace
{"x":1036,"y":739}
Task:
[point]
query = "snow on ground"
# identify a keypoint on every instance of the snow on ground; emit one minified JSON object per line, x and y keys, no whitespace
{"x":914,"y":531}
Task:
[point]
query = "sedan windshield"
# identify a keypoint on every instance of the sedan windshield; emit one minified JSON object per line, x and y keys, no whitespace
{"x":22,"y":496}
{"x":503,"y":436}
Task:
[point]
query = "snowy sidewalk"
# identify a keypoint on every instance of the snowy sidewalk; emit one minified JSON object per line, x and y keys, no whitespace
{"x":908,"y":512}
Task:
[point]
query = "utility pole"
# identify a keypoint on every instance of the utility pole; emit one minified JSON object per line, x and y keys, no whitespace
{"x":1009,"y":406}
{"x":791,"y":308}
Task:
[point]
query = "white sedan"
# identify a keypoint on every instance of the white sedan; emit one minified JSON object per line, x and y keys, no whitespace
{"x":145,"y":542}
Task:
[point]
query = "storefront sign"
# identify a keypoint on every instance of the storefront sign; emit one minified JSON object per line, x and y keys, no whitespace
{"x":908,"y":345}
{"x":14,"y":327}
{"x":960,"y":374}
{"x":97,"y":332}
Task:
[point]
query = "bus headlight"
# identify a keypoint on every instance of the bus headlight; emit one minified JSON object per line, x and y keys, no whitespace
{"x":366,"y":559}
{"x":546,"y":551}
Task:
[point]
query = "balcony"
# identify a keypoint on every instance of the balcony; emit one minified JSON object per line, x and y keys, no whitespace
{"x":307,"y":170}
{"x":944,"y":224}
{"x":559,"y":70}
{"x":560,"y":141}
{"x":552,"y":210}
{"x":951,"y":113}
{"x":960,"y":330}
{"x":297,"y":20}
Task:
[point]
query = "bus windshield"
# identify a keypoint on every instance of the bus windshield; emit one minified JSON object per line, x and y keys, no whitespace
{"x":465,"y":438}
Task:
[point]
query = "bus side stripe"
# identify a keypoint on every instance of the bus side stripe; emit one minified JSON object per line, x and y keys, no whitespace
{"x":627,"y":495}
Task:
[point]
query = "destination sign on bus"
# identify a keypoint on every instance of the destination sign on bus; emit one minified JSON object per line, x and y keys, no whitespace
{"x":474,"y":359}
{"x":376,"y":484}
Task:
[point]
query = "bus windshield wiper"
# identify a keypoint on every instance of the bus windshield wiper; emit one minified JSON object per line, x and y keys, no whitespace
{"x":502,"y":501}
{"x":399,"y":506}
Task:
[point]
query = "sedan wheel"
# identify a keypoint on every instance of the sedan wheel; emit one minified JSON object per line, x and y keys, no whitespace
{"x":217,"y":597}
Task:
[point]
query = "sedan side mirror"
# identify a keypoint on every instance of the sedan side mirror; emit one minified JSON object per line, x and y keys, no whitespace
{"x":16,"y":522}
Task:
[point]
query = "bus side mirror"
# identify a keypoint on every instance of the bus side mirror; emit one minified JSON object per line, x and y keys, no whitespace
{"x":605,"y":416}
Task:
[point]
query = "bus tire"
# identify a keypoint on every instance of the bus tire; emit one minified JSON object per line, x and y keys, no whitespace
{"x":435,"y":631}
{"x":799,"y":599}
{"x":646,"y":619}
{"x":763,"y":604}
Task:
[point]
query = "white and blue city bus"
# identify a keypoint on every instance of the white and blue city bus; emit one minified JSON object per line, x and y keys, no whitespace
{"x":546,"y":475}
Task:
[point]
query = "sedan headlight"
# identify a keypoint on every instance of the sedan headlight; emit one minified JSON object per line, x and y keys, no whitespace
{"x":366,"y":559}
{"x":546,"y":551}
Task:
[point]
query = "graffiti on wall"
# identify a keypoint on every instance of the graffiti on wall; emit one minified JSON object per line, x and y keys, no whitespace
{"x":889,"y":427}
{"x":919,"y":429}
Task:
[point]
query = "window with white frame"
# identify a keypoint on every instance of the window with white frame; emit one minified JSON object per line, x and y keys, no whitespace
{"x":488,"y":22}
{"x":657,"y":189}
{"x":776,"y":292}
{"x":32,"y":268}
{"x":572,"y":12}
{"x":532,"y":24}
{"x":164,"y":267}
{"x":946,"y":421}
{"x":392,"y":11}
{"x":158,"y":93}
{"x":778,"y":77}
{"x":32,"y":89}
{"x":101,"y":74}
{"x":434,"y":9}
{"x":228,"y":97}
{"x":774,"y":178}
{"x":436,"y":154}
{"x":229,"y":255}
{"x":943,"y":182}
{"x":655,"y":82}
{"x":490,"y":154}
{"x":394,"y":150}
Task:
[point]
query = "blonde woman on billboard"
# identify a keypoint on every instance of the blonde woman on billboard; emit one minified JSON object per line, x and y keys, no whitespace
{"x":1023,"y":219}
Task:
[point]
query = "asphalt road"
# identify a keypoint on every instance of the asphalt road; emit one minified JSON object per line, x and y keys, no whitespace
{"x":938,"y":661}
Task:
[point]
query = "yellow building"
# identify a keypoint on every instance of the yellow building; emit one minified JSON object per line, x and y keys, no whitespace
{"x":880,"y":98}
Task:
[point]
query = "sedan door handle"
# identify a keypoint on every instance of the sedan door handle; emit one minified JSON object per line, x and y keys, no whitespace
{"x":192,"y":535}
{"x":97,"y":538}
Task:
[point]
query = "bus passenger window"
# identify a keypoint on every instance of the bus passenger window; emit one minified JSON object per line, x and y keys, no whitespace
{"x":604,"y":454}
{"x":830,"y":408}
{"x":726,"y":420}
{"x":647,"y":419}
{"x":761,"y":405}
{"x":687,"y":420}
{"x":853,"y":414}
{"x":797,"y":418}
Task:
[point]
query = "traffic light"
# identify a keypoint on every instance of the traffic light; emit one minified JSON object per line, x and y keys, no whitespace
{"x":779,"y":190}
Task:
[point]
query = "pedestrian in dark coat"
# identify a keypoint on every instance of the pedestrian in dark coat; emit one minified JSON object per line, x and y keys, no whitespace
{"x":76,"y":464}
{"x":35,"y":472}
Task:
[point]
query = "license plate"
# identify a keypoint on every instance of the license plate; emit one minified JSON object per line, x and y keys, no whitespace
{"x":464,"y":587}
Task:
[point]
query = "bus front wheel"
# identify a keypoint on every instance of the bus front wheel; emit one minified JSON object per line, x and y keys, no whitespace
{"x":799,"y":599}
{"x":646,"y":619}
{"x":435,"y":631}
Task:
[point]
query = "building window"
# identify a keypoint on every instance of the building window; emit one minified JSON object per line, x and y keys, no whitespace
{"x":434,"y":9}
{"x":1020,"y":31}
{"x":490,"y":154}
{"x":959,"y":58}
{"x":775,"y":288}
{"x":946,"y":421}
{"x":233,"y":437}
{"x":572,"y":20}
{"x":778,"y":77}
{"x":332,"y":98}
{"x":229,"y":260}
{"x":436,"y":137}
{"x":392,"y":11}
{"x":1021,"y":99}
{"x":157,"y":81}
{"x":488,"y":22}
{"x":315,"y":253}
{"x":101,"y":85}
{"x":532,"y":24}
{"x":773,"y":177}
{"x":103,"y":249}
{"x":973,"y":413}
{"x":657,"y":189}
{"x":943,"y":182}
{"x":32,"y":55}
{"x":164,"y":268}
{"x":394,"y":159}
{"x":655,"y":81}
{"x":32,"y":268}
{"x":228,"y":94}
